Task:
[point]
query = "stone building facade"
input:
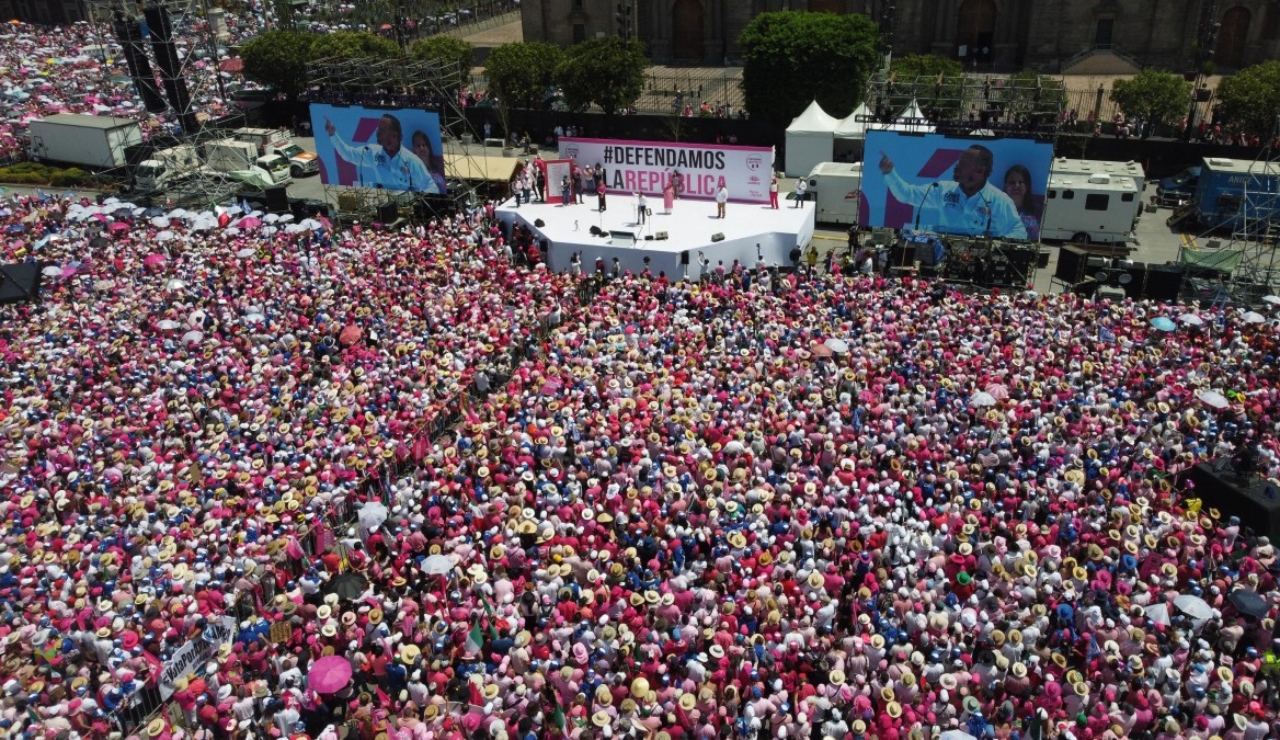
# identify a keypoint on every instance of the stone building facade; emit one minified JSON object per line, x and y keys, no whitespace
{"x":1048,"y":35}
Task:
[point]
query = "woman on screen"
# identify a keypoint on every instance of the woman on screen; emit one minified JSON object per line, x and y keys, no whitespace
{"x":1017,"y":185}
{"x":434,"y":162}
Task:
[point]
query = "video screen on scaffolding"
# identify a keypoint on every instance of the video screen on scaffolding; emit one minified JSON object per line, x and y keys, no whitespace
{"x":381,"y":149}
{"x":952,"y":185}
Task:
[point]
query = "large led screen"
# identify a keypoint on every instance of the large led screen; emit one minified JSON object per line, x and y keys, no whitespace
{"x":383,"y":149}
{"x":975,"y":187}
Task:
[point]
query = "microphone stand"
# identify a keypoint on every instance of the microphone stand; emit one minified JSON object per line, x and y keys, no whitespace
{"x":920,"y":206}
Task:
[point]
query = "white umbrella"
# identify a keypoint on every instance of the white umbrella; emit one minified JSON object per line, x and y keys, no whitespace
{"x":232,"y":231}
{"x":372,"y":515}
{"x":1214,"y":399}
{"x":981,"y":399}
{"x":1272,"y":299}
{"x":294,"y":229}
{"x":956,"y":735}
{"x":270,"y":218}
{"x":196,"y":317}
{"x":51,"y":271}
{"x":246,"y":252}
{"x":192,"y":337}
{"x":160,"y":222}
{"x":254,"y":318}
{"x":1191,"y":319}
{"x":175,"y":284}
{"x":311,"y":223}
{"x":1159,"y":614}
{"x":178,"y":213}
{"x":1193,"y":606}
{"x":168,"y":325}
{"x":165,"y":236}
{"x":1253,"y":317}
{"x":286,"y":218}
{"x":437,"y":565}
{"x":839,"y":346}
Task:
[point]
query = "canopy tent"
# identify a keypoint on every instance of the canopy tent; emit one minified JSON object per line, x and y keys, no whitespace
{"x":490,"y":169}
{"x":907,"y":120}
{"x":854,"y":126}
{"x":810,"y":139}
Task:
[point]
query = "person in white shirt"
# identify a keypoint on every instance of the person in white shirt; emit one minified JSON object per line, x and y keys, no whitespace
{"x":722,"y":197}
{"x":969,"y":205}
{"x":386,"y":164}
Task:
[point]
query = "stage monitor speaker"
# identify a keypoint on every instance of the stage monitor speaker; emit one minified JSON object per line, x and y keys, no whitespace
{"x":648,"y":237}
{"x":539,"y":223}
{"x":387,"y":213}
{"x":1252,"y":498}
{"x":619,"y":238}
{"x":1164,"y":282}
{"x":277,"y":200}
{"x":129,"y":36}
{"x":684,"y":257}
{"x":718,"y":236}
{"x":661,"y":236}
{"x":1137,"y":282}
{"x":1072,"y":262}
{"x":1111,"y":293}
{"x":20,"y":282}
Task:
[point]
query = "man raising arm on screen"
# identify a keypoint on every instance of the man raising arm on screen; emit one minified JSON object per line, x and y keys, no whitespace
{"x":384,"y":165}
{"x":969,"y":204}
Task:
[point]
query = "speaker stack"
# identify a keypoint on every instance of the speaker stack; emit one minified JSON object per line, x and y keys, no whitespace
{"x":129,"y":36}
{"x":175,"y":87}
{"x":1164,"y":282}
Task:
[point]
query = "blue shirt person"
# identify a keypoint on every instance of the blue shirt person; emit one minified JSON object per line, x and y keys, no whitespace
{"x":967,"y":205}
{"x":385,"y":164}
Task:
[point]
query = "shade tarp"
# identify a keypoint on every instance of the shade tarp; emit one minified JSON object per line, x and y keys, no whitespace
{"x":1217,"y":259}
{"x":854,"y":126}
{"x":491,"y":169}
{"x":810,"y":140}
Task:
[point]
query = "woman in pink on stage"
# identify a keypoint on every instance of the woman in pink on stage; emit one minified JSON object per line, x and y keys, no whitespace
{"x":668,"y":196}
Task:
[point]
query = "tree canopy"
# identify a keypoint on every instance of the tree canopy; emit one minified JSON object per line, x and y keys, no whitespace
{"x":933,"y":81}
{"x":793,"y":58}
{"x":1153,"y":95}
{"x":278,"y":59}
{"x":606,"y":71}
{"x":452,"y":52}
{"x":1249,"y":99}
{"x":521,"y":74}
{"x":353,"y":44}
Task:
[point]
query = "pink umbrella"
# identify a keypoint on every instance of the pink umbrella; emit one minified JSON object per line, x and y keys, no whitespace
{"x":329,"y":675}
{"x":118,"y":226}
{"x":998,"y":391}
{"x":154,"y":260}
{"x":249,"y":222}
{"x":350,"y":334}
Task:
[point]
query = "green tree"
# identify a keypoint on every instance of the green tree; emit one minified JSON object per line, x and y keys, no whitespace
{"x":353,"y":45}
{"x":936,"y":83}
{"x":1153,"y":95}
{"x":452,"y":53}
{"x":793,"y":58}
{"x":607,"y":71}
{"x":1027,"y":95}
{"x":278,"y":59}
{"x":520,"y":75}
{"x":1250,"y":99}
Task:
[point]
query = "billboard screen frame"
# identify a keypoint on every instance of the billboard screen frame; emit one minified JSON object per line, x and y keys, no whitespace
{"x":357,"y":127}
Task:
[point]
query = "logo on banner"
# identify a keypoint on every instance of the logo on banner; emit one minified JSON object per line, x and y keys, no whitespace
{"x":571,"y":152}
{"x":755,"y":162}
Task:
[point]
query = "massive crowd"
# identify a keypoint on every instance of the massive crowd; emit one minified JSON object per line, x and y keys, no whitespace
{"x":797,"y":506}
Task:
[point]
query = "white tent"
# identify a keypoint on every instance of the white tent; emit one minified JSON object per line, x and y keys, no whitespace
{"x":908,"y":120}
{"x":809,"y":140}
{"x":855,"y":125}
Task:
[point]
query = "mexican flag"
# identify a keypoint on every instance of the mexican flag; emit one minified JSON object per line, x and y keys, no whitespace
{"x":475,"y":638}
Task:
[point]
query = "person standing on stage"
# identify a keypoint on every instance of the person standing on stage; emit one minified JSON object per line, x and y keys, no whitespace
{"x":801,"y":186}
{"x":668,"y":197}
{"x":773,"y":192}
{"x":722,"y":197}
{"x":641,"y":207}
{"x":600,"y":193}
{"x":566,"y":191}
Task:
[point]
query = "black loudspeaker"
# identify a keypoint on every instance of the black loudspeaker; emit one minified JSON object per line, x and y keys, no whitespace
{"x":19,"y":282}
{"x":596,"y":231}
{"x":1250,"y":497}
{"x":175,"y":86}
{"x":717,"y":237}
{"x":276,"y":200}
{"x":129,"y":36}
{"x":387,"y":213}
{"x":661,"y":236}
{"x":1071,"y":264}
{"x":648,"y":237}
{"x":684,"y":258}
{"x":539,"y":223}
{"x":1164,"y":282}
{"x":1136,"y":284}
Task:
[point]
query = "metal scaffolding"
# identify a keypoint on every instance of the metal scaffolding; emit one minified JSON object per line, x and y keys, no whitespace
{"x":394,"y":84}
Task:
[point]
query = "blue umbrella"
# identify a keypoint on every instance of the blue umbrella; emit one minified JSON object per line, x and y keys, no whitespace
{"x":1163,"y":324}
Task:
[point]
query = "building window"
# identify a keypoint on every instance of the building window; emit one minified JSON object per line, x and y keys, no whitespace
{"x":1102,"y":35}
{"x":579,"y":33}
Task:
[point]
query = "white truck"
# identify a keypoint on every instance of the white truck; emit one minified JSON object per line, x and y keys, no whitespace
{"x":836,"y":189}
{"x":166,"y":166}
{"x":278,"y":141}
{"x":1089,"y":167}
{"x":1099,"y":208}
{"x":97,"y":142}
{"x":241,"y":158}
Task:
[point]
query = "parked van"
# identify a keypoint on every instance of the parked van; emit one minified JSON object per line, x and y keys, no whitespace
{"x":1100,"y":208}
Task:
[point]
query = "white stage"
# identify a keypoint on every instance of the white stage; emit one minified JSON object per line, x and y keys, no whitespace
{"x":690,"y":226}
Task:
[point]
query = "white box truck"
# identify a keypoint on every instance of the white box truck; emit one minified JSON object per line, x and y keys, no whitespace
{"x":97,"y":142}
{"x":1100,"y":208}
{"x":835,"y":188}
{"x":166,"y":166}
{"x":278,"y":141}
{"x":1090,"y":167}
{"x":232,"y":156}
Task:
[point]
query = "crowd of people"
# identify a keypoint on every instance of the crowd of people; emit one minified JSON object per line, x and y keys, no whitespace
{"x":762,"y":507}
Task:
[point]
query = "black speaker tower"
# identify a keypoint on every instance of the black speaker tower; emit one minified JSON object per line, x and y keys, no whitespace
{"x":129,"y":36}
{"x":175,"y":87}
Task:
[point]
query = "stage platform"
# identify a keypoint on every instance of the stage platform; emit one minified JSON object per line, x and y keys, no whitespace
{"x":689,"y":227}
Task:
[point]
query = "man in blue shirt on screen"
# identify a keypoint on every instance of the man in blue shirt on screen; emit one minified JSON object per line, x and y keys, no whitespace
{"x":968,"y":205}
{"x":386,"y":164}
